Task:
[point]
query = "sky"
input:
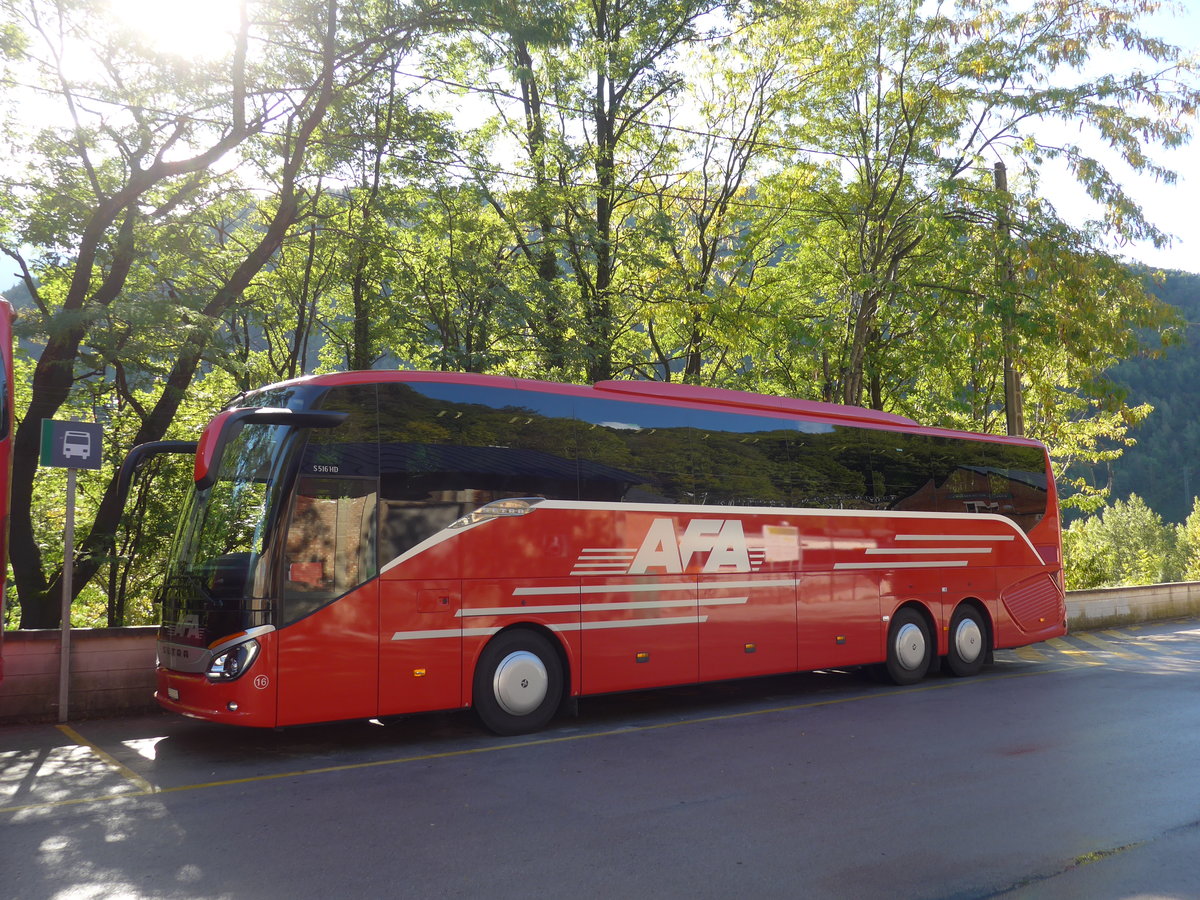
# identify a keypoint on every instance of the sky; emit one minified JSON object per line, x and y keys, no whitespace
{"x":195,"y":24}
{"x":1173,"y":208}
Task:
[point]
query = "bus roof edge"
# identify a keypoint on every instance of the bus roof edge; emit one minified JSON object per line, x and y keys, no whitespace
{"x":695,"y":392}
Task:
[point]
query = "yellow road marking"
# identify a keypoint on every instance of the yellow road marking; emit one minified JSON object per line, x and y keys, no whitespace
{"x":1105,"y":645}
{"x":1030,"y":655}
{"x":149,"y":790}
{"x":1142,"y":643}
{"x":127,"y":773}
{"x":1083,"y":656}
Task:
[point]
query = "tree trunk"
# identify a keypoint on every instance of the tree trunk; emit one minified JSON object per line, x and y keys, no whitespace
{"x":1014,"y":411}
{"x":39,"y":596}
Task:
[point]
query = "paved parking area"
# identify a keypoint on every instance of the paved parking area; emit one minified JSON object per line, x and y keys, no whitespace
{"x":819,"y":785}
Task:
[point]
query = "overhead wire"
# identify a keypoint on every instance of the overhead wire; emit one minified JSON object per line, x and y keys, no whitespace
{"x":459,"y":164}
{"x":494,"y":91}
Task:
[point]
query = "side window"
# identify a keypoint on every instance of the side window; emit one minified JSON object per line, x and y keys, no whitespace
{"x":830,"y":470}
{"x":329,"y":548}
{"x":900,"y":473}
{"x":4,"y":410}
{"x":986,"y":477}
{"x":743,"y":460}
{"x":351,"y":449}
{"x":447,"y":449}
{"x":1028,"y":484}
{"x":843,"y":467}
{"x":635,"y":452}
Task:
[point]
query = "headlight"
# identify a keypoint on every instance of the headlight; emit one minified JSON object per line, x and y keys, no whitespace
{"x":233,"y":662}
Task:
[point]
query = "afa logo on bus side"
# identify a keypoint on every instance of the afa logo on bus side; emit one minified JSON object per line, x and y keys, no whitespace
{"x":663,"y":550}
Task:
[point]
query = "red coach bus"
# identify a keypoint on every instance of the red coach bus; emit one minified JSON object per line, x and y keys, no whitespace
{"x":370,"y":543}
{"x":6,"y":437}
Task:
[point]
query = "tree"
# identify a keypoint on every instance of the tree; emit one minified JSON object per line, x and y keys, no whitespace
{"x":911,"y":102}
{"x":1159,"y":468}
{"x":1187,"y":537}
{"x":137,"y":155}
{"x":705,"y":238}
{"x":797,"y":199}
{"x":1125,"y":544}
{"x":596,"y":84}
{"x":454,"y":307}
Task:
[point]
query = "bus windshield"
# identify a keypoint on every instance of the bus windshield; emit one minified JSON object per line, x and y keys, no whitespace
{"x":219,"y":580}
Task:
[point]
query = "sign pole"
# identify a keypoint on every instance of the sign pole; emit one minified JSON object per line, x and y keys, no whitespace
{"x":64,"y":667}
{"x":71,"y":446}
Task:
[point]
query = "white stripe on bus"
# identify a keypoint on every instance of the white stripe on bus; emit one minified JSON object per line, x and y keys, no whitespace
{"x":600,"y":607}
{"x":443,"y":633}
{"x":932,"y":564}
{"x":699,"y":511}
{"x":925,"y":551}
{"x":628,"y":623}
{"x":568,"y":626}
{"x":642,"y":588}
{"x":956,"y":537}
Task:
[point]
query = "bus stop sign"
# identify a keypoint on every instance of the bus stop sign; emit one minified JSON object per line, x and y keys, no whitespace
{"x":71,"y":445}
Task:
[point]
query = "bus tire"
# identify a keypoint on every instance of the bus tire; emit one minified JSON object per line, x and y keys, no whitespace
{"x":518,"y":683}
{"x":909,"y":650}
{"x":968,"y":641}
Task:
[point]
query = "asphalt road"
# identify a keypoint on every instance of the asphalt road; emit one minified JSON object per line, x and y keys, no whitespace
{"x":1065,"y":770}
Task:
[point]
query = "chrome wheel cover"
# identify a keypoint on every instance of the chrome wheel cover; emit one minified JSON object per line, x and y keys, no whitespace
{"x":520,"y":683}
{"x":968,"y":640}
{"x":910,"y":647}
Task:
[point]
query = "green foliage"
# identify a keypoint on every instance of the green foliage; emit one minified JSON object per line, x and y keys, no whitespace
{"x":798,"y":199}
{"x":1188,"y":539}
{"x":909,"y":232}
{"x":1128,"y":543}
{"x":1124,"y":544}
{"x":1161,"y":467}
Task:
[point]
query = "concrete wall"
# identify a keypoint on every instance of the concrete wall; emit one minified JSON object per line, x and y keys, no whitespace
{"x":1112,"y":607}
{"x":112,"y":672}
{"x":112,"y":669}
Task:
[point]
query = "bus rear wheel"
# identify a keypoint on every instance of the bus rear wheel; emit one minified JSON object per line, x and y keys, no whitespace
{"x":909,"y":650}
{"x":518,"y":683}
{"x":968,"y":641}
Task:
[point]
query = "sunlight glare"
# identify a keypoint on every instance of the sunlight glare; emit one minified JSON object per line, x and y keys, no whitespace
{"x":143,"y":747}
{"x":192,"y":29}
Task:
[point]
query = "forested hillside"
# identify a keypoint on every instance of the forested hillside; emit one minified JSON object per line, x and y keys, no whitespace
{"x":1164,"y":466}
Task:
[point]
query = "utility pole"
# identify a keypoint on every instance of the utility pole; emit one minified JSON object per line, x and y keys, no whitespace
{"x":1014,"y":412}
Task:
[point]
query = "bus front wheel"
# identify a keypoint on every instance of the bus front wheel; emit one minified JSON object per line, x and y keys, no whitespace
{"x":518,"y":683}
{"x":909,"y":650}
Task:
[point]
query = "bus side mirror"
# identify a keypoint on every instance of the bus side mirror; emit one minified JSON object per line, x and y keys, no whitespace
{"x":138,"y":456}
